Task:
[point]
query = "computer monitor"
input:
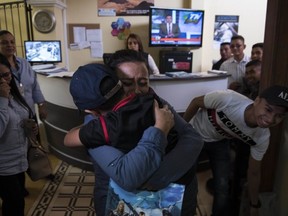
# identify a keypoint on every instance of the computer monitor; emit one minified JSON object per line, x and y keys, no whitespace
{"x":43,"y":51}
{"x":174,"y":61}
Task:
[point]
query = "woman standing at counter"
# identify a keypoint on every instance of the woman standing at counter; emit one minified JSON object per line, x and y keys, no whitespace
{"x":13,"y":143}
{"x":134,"y":42}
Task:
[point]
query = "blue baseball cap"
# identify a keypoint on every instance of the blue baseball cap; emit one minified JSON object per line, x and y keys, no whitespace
{"x":85,"y":85}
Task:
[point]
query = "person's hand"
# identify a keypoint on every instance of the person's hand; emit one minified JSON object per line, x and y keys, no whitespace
{"x":30,"y":128}
{"x":234,"y":86}
{"x":164,"y":118}
{"x":4,"y":88}
{"x":254,"y":211}
{"x":42,"y":111}
{"x":35,"y":129}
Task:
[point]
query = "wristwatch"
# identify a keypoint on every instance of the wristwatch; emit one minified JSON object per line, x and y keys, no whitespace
{"x":44,"y":21}
{"x":258,"y":205}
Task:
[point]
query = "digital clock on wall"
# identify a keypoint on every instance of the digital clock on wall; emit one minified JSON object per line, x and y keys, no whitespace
{"x":44,"y":21}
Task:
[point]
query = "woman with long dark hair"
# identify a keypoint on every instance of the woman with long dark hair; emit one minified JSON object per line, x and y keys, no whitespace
{"x":13,"y":143}
{"x":134,"y":42}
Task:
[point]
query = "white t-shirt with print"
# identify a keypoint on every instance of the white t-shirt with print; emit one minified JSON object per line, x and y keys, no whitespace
{"x":224,"y":118}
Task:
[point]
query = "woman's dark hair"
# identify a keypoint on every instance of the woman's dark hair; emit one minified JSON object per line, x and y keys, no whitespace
{"x":4,"y":32}
{"x":14,"y":88}
{"x":138,"y":39}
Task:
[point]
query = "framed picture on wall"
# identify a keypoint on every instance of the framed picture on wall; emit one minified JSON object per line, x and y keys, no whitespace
{"x":124,"y":7}
{"x":225,"y":27}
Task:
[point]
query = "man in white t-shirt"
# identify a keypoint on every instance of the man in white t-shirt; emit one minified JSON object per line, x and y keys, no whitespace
{"x":222,"y":115}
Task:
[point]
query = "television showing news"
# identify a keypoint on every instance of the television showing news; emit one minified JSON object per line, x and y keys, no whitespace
{"x":175,"y":27}
{"x":42,"y":52}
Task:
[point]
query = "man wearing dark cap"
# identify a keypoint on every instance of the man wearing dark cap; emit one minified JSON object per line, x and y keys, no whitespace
{"x":222,"y":115}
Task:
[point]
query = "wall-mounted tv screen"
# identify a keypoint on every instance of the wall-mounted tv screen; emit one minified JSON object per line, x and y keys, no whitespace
{"x":43,"y":51}
{"x":175,"y":27}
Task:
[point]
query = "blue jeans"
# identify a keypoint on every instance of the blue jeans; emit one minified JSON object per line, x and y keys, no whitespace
{"x":219,"y":157}
{"x":100,"y":189}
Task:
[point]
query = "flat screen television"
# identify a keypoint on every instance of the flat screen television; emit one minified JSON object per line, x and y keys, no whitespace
{"x":43,"y":51}
{"x":189,"y":33}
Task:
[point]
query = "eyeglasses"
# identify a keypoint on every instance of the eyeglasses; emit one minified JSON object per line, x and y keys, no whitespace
{"x":6,"y":43}
{"x":3,"y":75}
{"x":237,"y":46}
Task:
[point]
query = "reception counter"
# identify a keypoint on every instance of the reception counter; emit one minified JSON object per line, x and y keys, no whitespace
{"x":63,"y":114}
{"x":179,"y":91}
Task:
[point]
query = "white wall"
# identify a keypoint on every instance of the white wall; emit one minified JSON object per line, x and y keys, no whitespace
{"x":252,"y":17}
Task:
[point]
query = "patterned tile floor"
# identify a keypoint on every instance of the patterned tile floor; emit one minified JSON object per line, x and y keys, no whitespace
{"x":70,"y":193}
{"x":74,"y":188}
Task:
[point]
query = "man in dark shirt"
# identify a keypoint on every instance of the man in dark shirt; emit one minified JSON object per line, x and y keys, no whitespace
{"x":225,"y":53}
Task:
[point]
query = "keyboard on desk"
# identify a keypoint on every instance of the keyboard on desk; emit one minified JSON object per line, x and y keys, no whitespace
{"x":43,"y":66}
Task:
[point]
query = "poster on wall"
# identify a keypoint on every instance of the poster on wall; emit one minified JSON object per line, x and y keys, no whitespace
{"x":225,"y":27}
{"x":124,"y":7}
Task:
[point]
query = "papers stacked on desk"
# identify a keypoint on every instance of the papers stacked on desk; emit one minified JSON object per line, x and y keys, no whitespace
{"x":56,"y":72}
{"x":178,"y":74}
{"x":217,"y":71}
{"x":51,"y":70}
{"x":62,"y":74}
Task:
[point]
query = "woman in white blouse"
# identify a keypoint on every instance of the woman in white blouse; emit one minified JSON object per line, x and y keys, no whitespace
{"x":134,"y":42}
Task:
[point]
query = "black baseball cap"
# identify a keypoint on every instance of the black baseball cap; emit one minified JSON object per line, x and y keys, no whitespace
{"x":276,"y":95}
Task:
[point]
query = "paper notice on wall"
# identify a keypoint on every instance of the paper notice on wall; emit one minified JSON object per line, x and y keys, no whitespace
{"x":94,"y":35}
{"x":225,"y":27}
{"x":96,"y":49}
{"x":79,"y":34}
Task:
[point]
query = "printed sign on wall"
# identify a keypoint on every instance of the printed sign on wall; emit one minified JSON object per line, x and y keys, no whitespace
{"x":124,"y":7}
{"x":225,"y":27}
